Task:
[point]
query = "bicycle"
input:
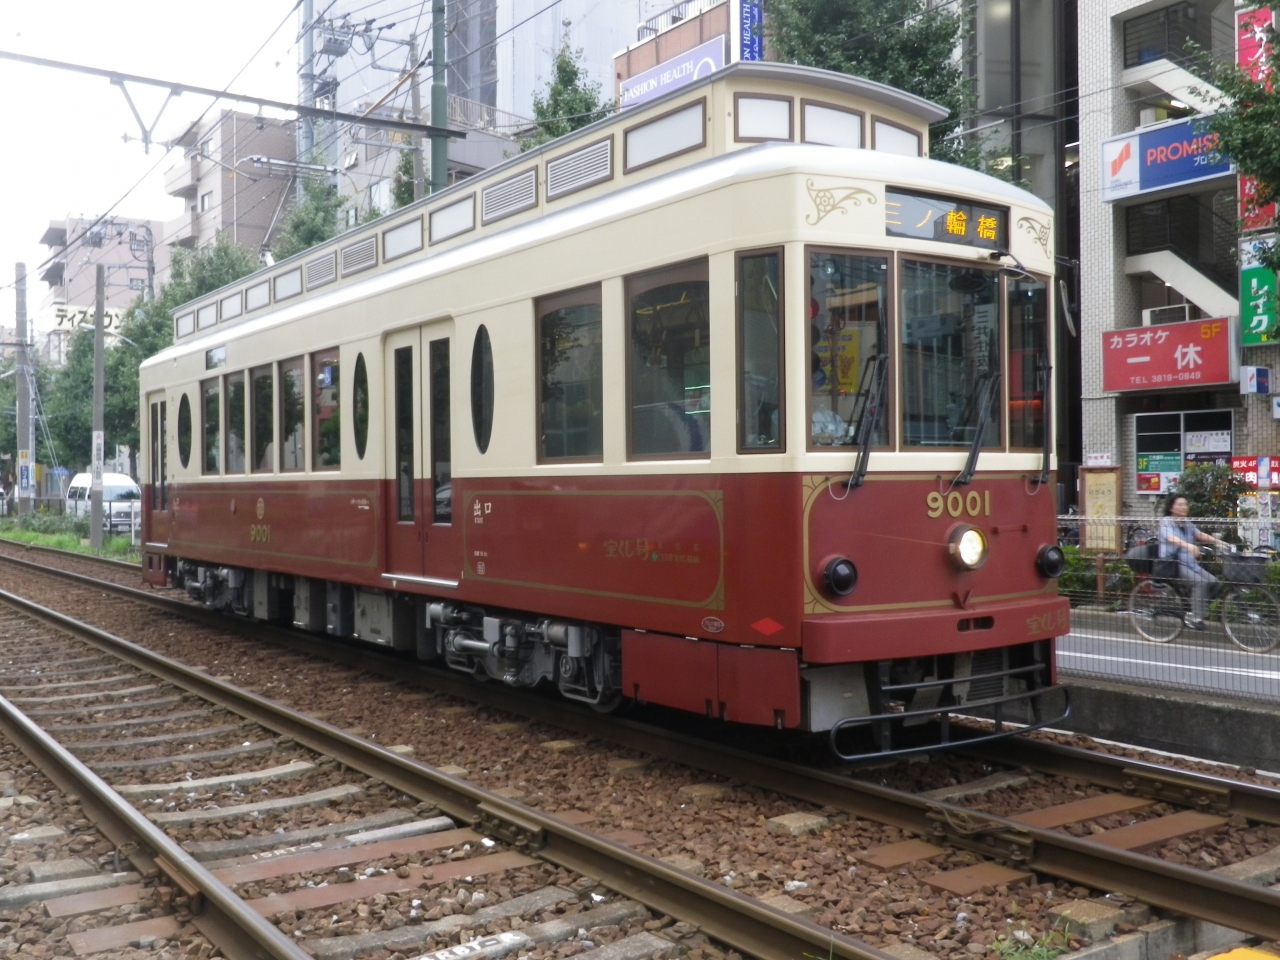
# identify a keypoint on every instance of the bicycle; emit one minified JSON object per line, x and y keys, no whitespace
{"x":1249,"y":612}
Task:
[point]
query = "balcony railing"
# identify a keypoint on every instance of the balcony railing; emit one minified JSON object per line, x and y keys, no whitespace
{"x":672,"y":16}
{"x":1190,"y":228}
{"x":1163,"y":35}
{"x":480,"y":116}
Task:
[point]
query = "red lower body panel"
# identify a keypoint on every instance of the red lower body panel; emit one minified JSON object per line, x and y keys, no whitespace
{"x":738,"y":684}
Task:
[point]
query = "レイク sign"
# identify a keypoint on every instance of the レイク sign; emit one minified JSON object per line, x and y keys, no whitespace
{"x":1159,"y":157}
{"x":1257,"y":295}
{"x":1192,"y":354}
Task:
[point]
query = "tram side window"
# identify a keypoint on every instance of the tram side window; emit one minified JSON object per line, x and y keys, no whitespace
{"x":760,"y":352}
{"x":950,"y":354}
{"x":570,"y":376}
{"x":326,"y":429}
{"x":262,"y":414}
{"x":235,"y":423}
{"x":669,"y":347}
{"x":211,"y":422}
{"x":404,"y":433}
{"x":159,"y":451}
{"x":1028,"y":361}
{"x":848,"y":332}
{"x":292,"y":415}
{"x":441,"y":448}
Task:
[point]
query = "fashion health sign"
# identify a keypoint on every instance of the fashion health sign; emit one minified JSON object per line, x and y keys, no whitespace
{"x":1159,"y":157}
{"x":701,"y":61}
{"x":1196,"y":353}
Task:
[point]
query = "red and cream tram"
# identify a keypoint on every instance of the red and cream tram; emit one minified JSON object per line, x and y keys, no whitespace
{"x":734,"y":402}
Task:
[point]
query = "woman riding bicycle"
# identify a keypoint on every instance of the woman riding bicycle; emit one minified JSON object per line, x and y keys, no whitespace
{"x":1178,"y":539}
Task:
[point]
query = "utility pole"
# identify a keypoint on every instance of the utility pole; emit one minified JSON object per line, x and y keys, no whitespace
{"x":99,"y":374}
{"x":439,"y":100}
{"x":26,"y":461}
{"x":419,"y":188}
{"x":306,"y":91}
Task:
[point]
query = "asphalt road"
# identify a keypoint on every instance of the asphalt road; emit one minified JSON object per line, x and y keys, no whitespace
{"x":1105,"y":645}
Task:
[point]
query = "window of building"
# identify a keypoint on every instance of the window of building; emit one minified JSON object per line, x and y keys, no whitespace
{"x":760,"y":419}
{"x":669,"y":362}
{"x":360,"y":405}
{"x":235,"y":423}
{"x":848,"y":331}
{"x":404,"y":434}
{"x":482,"y":389}
{"x":1028,"y":306}
{"x":570,"y":376}
{"x":950,"y":354}
{"x":206,"y":201}
{"x":184,"y":430}
{"x":326,"y":424}
{"x":441,"y":451}
{"x":211,"y":422}
{"x":263,"y":417}
{"x":292,"y":416}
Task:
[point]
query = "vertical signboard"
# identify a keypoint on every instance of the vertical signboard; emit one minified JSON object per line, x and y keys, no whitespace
{"x":95,"y":476}
{"x":26,"y":482}
{"x":1257,"y":294}
{"x":749,"y":26}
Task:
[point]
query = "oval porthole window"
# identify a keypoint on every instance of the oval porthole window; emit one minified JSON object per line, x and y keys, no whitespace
{"x":482,"y":388}
{"x":360,"y":405}
{"x":184,"y":430}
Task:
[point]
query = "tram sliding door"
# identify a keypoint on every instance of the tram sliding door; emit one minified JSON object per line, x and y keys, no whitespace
{"x":406,"y":515}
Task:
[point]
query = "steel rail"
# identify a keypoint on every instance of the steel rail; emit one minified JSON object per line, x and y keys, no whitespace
{"x":741,"y":922}
{"x":226,"y":919}
{"x":1184,"y":787}
{"x":1252,"y":909}
{"x":59,"y":552}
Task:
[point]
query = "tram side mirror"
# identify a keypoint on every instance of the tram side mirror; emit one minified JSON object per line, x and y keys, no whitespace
{"x":1066,"y":307}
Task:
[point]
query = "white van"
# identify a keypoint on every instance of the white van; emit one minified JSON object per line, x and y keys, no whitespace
{"x":121,"y":501}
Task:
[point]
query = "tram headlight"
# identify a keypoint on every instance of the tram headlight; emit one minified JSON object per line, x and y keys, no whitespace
{"x":968,"y":548}
{"x":840,"y":576}
{"x":1051,"y":561}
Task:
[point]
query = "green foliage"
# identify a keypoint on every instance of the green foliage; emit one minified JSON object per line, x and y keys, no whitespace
{"x":909,"y":44}
{"x":402,"y":185}
{"x":1079,"y":580}
{"x":1246,"y":118}
{"x":54,"y":530}
{"x":313,"y":219}
{"x":1027,"y":947}
{"x":1211,"y":491}
{"x":570,"y":101}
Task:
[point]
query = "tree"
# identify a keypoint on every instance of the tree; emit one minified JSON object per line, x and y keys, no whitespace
{"x":402,"y":185}
{"x":1211,"y":491}
{"x":907,"y":44}
{"x":145,"y":329}
{"x":313,"y":219}
{"x":570,"y":101}
{"x":1247,"y":122}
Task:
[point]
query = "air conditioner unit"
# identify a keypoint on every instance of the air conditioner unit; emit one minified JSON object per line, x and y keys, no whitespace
{"x":1174,"y":314}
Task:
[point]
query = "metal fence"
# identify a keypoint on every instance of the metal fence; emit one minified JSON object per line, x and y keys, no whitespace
{"x":1134,"y":605}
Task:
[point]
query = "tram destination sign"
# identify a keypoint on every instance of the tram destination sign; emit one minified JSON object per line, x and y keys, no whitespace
{"x":924,"y":216}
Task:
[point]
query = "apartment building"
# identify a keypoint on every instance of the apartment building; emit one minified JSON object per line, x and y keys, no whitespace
{"x":236,"y":178}
{"x":1160,"y":333}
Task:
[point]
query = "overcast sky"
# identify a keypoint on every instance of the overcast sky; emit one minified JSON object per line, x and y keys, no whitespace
{"x":62,"y":153}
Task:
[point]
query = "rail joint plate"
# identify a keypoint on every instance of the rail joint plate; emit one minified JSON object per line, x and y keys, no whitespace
{"x":1169,"y":788}
{"x":524,"y":835}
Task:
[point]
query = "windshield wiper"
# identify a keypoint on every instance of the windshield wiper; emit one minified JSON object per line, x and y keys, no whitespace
{"x":867,"y":412}
{"x":987,"y":391}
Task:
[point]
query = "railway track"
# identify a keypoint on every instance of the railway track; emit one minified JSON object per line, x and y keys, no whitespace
{"x":1010,"y":846}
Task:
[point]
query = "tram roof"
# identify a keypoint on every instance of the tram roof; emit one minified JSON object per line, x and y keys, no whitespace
{"x":867,"y":92}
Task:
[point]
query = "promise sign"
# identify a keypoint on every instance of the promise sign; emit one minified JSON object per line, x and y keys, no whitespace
{"x":1197,"y":353}
{"x":1159,"y":157}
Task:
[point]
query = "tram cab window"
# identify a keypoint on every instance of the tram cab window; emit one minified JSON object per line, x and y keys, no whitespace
{"x":159,"y":454}
{"x":1028,"y":361}
{"x":570,"y":376}
{"x":292,"y":416}
{"x":760,"y":352}
{"x":262,"y":417}
{"x":211,"y":424}
{"x":669,"y":362}
{"x":326,"y":427}
{"x":950,"y":353}
{"x":848,"y":330}
{"x":235,"y":423}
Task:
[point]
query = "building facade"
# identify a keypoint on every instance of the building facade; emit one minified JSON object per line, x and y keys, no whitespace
{"x":1159,"y":310}
{"x":236,"y":179}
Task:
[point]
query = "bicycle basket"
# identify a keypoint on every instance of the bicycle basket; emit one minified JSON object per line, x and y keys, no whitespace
{"x":1165,"y":569}
{"x":1140,"y":557}
{"x":1244,"y":568}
